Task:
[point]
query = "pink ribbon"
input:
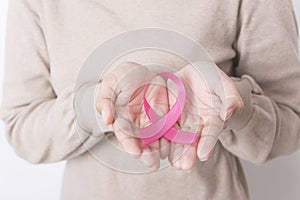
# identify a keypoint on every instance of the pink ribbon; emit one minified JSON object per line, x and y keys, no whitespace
{"x":164,"y":126}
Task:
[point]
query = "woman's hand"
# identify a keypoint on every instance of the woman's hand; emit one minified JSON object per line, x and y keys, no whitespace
{"x":205,"y":112}
{"x":120,"y":103}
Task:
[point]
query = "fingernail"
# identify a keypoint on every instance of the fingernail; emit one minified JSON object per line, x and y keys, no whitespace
{"x":207,"y":144}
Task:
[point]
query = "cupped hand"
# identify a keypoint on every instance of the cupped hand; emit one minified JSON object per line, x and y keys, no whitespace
{"x":209,"y":104}
{"x":120,"y":102}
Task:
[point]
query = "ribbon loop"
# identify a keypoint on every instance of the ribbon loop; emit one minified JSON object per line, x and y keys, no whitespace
{"x":164,"y":126}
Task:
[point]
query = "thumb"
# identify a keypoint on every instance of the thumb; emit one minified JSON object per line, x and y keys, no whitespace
{"x":106,"y":98}
{"x":209,"y":138}
{"x":230,"y":97}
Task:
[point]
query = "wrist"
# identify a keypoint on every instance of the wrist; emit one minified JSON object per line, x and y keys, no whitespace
{"x":87,"y":117}
{"x":239,"y":119}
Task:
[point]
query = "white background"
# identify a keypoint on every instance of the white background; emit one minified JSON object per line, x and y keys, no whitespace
{"x":276,"y":180}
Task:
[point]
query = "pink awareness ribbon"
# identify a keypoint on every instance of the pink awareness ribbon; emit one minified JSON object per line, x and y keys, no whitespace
{"x":164,"y":126}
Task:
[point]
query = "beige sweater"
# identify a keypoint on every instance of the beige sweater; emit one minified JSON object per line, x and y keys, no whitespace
{"x":47,"y":42}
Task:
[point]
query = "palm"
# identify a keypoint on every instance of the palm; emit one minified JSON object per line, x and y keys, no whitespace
{"x":206,"y":109}
{"x":123,"y":100}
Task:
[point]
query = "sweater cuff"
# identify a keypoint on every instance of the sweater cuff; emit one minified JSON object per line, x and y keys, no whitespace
{"x":244,"y":86}
{"x":87,"y":117}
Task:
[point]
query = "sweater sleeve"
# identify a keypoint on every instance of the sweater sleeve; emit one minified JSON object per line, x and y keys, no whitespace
{"x":40,"y":125}
{"x":268,"y":79}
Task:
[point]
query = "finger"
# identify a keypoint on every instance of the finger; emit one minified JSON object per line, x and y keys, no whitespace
{"x":174,"y":155}
{"x":191,"y":123}
{"x":231,"y":99}
{"x":157,"y":96}
{"x":172,"y":93}
{"x":230,"y":106}
{"x":208,"y":138}
{"x":188,"y":158}
{"x":150,"y":156}
{"x":184,"y":157}
{"x":151,"y":153}
{"x":175,"y":150}
{"x":185,"y":160}
{"x":125,"y":134}
{"x":164,"y":145}
{"x":114,"y":82}
{"x":106,"y":99}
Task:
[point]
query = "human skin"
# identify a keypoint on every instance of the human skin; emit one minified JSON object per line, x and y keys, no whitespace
{"x":206,"y":111}
{"x":120,"y":103}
